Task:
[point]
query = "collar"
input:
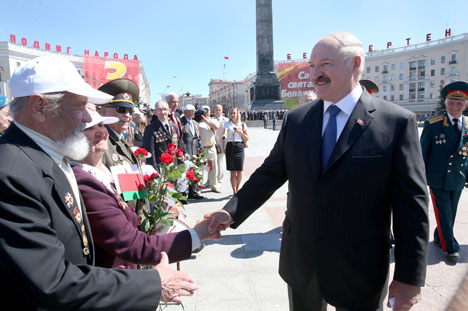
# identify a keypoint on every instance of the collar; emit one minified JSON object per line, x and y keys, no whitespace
{"x":459,"y":118}
{"x":347,"y":103}
{"x":46,"y":144}
{"x":119,"y":136}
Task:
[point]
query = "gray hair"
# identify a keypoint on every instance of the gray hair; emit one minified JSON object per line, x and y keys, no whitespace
{"x":169,"y":97}
{"x":350,"y":47}
{"x":53,"y":103}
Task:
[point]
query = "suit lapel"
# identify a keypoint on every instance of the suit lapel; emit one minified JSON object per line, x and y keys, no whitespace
{"x":449,"y":130}
{"x":357,"y":123}
{"x":313,"y":131}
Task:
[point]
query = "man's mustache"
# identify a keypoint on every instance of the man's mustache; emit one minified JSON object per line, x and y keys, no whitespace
{"x":322,"y":79}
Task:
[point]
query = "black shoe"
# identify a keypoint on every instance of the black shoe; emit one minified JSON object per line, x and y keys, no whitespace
{"x":437,"y":243}
{"x":184,"y":202}
{"x":196,"y":197}
{"x":455,"y":256}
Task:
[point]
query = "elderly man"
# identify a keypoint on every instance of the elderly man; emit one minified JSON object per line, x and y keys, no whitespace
{"x":220,"y":161}
{"x":444,"y":142}
{"x":159,"y":134}
{"x":172,"y":100}
{"x":5,"y":118}
{"x":125,"y":92}
{"x":46,"y":247}
{"x":208,"y":128}
{"x":360,"y":164}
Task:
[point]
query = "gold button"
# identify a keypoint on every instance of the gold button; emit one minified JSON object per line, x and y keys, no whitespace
{"x":450,"y":163}
{"x":86,"y":251}
{"x":462,"y":165}
{"x":451,"y":156}
{"x":448,"y":171}
{"x":82,"y":229}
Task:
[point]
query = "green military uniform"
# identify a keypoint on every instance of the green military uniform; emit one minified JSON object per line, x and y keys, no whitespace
{"x":446,"y":158}
{"x":125,"y":94}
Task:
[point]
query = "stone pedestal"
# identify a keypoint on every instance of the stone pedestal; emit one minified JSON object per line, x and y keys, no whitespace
{"x":266,"y":89}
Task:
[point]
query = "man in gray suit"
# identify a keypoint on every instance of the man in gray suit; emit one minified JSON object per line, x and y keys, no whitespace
{"x":361,"y":162}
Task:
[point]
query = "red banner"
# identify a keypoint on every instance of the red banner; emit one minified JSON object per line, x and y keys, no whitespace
{"x":294,"y":78}
{"x":99,"y":70}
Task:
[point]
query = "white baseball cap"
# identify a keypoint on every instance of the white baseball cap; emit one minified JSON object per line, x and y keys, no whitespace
{"x":189,"y":107}
{"x":96,"y":118}
{"x":49,"y":74}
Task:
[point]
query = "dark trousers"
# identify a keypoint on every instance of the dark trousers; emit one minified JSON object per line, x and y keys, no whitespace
{"x":310,"y":298}
{"x":445,"y":208}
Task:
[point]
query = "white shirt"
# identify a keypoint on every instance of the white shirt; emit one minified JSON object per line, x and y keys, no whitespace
{"x":460,"y":122}
{"x":231,"y":135}
{"x":346,"y":105}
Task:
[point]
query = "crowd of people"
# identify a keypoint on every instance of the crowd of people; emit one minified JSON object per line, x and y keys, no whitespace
{"x":70,"y":242}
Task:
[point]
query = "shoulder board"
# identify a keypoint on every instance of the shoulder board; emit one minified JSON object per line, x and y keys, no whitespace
{"x":466,"y":121}
{"x":436,"y":119}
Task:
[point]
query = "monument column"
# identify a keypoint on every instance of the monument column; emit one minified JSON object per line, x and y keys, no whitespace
{"x":266,"y":89}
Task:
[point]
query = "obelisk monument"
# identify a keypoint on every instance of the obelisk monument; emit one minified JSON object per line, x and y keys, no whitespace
{"x":266,"y":89}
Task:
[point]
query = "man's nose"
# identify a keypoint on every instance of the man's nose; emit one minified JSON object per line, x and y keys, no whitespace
{"x":86,"y":116}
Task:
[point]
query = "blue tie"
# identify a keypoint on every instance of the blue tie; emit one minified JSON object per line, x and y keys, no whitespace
{"x":329,"y":136}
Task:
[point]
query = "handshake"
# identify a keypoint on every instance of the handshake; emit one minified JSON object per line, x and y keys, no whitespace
{"x":176,"y":284}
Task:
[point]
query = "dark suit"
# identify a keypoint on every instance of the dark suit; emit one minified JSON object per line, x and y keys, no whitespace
{"x":337,"y":223}
{"x":446,"y":159}
{"x":43,"y":263}
{"x":118,"y":151}
{"x":156,"y":138}
{"x":119,"y":243}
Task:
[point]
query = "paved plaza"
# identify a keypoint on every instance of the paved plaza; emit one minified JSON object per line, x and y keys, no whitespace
{"x":240,"y":272}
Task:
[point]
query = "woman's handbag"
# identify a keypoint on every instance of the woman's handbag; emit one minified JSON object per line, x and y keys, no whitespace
{"x":244,"y":141}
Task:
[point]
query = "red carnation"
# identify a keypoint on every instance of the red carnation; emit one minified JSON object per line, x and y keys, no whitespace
{"x":154,"y":175}
{"x":147,"y":178}
{"x":171,"y":148}
{"x":199,"y":151}
{"x":196,"y":180}
{"x":140,"y":152}
{"x":179,"y":152}
{"x":190,"y":174}
{"x":166,"y":158}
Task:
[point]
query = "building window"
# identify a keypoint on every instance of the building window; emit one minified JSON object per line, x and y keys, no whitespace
{"x":376,"y":68}
{"x":432,"y":72}
{"x":401,"y":76}
{"x":376,"y":78}
{"x":412,"y":66}
{"x":413,"y":75}
{"x":421,"y":87}
{"x":392,"y":87}
{"x":442,"y":59}
{"x":431,"y":84}
{"x":453,"y":70}
{"x":385,"y":97}
{"x":385,"y":88}
{"x":385,"y":78}
{"x":442,"y":71}
{"x":431,"y":96}
{"x":402,"y":87}
{"x":453,"y":58}
{"x":402,"y":66}
{"x":392,"y":98}
{"x":385,"y":69}
{"x":393,"y":66}
{"x":368,"y":69}
{"x":393,"y":77}
{"x":401,"y":96}
{"x":432,"y":61}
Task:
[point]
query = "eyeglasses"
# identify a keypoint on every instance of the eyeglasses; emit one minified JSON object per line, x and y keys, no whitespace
{"x":122,"y":110}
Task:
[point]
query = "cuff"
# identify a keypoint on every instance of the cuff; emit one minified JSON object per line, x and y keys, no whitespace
{"x":196,"y":243}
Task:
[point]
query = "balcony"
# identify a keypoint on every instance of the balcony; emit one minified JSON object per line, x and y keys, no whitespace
{"x":412,"y":90}
{"x":452,"y":62}
{"x":412,"y":68}
{"x":421,"y":89}
{"x":384,"y":71}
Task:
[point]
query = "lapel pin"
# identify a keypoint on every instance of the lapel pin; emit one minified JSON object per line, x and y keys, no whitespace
{"x":77,"y":215}
{"x":69,"y":200}
{"x":360,"y":122}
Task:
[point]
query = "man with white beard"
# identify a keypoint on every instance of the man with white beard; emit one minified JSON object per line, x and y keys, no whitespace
{"x":46,"y":248}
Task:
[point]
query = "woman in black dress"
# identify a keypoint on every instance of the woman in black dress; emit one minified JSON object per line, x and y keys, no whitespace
{"x":235,"y":134}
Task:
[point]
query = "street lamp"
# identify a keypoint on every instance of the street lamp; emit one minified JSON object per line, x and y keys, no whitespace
{"x":181,"y":87}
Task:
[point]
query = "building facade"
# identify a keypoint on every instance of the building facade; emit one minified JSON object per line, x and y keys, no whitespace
{"x":412,"y":76}
{"x":13,"y":55}
{"x":231,"y":93}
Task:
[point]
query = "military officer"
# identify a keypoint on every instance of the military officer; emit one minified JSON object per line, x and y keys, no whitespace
{"x":444,"y":142}
{"x":125,"y":94}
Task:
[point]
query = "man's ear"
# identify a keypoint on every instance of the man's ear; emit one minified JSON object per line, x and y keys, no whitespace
{"x":36,"y":104}
{"x":357,"y":62}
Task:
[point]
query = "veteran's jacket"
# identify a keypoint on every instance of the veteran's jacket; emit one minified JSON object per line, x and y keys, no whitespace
{"x":156,"y":138}
{"x":445,"y":156}
{"x":118,"y":151}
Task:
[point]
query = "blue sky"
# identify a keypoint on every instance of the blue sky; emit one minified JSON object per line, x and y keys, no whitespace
{"x":189,"y":39}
